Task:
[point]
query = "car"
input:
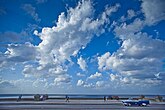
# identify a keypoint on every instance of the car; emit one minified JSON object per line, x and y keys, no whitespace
{"x":144,"y":102}
{"x":136,"y":102}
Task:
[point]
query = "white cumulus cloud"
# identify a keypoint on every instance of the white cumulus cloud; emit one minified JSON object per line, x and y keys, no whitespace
{"x":80,"y":74}
{"x":94,"y":76}
{"x":140,"y":56}
{"x":153,"y":10}
{"x":62,"y":79}
{"x":73,"y":31}
{"x":80,"y":82}
{"x":82,"y":63}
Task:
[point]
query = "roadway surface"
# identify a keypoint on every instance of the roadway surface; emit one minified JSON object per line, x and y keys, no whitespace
{"x":75,"y":105}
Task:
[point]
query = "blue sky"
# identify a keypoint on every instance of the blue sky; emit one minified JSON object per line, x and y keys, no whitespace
{"x":86,"y":46}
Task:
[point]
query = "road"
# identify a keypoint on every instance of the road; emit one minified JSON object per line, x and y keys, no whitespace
{"x":76,"y":105}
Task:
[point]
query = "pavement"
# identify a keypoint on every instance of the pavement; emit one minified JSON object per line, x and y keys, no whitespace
{"x":75,"y":105}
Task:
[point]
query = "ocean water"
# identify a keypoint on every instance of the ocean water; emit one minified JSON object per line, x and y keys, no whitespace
{"x":76,"y":96}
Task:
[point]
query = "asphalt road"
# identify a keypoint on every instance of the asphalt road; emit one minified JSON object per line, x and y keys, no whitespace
{"x":76,"y":105}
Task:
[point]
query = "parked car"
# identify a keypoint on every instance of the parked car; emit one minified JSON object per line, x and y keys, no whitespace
{"x":136,"y":102}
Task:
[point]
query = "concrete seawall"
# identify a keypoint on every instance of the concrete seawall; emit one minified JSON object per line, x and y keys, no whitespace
{"x":78,"y":104}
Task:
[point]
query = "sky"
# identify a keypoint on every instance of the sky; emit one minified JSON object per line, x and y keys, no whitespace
{"x":82,"y":46}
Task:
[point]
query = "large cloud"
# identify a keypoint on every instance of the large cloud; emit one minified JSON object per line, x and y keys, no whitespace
{"x":153,"y":10}
{"x":140,"y":57}
{"x":74,"y":30}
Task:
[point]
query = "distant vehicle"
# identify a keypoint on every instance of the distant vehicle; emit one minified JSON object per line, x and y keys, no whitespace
{"x":136,"y":102}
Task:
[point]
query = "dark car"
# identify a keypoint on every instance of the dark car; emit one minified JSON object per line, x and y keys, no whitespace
{"x":144,"y":102}
{"x":136,"y":102}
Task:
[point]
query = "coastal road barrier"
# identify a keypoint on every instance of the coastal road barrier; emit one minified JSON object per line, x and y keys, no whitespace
{"x":55,"y":98}
{"x":62,"y":102}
